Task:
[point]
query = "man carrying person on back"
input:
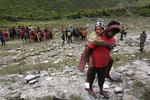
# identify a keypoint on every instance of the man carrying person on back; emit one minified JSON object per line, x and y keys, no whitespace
{"x":101,"y":57}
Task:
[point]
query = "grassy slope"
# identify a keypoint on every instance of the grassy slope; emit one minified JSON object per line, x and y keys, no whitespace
{"x":45,"y":8}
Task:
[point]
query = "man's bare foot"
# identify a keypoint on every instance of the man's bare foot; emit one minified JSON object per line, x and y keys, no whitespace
{"x":105,"y":94}
{"x":90,"y":91}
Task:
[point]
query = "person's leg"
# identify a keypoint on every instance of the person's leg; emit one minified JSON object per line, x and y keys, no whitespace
{"x":63,"y":42}
{"x":71,"y":39}
{"x":1,"y":42}
{"x":90,"y":68}
{"x":25,"y":39}
{"x":109,"y":66}
{"x":68,"y":40}
{"x":91,"y":77}
{"x":84,"y":38}
{"x":89,"y":72}
{"x":102,"y":72}
{"x":4,"y":42}
{"x":141,"y":46}
{"x":121,"y":37}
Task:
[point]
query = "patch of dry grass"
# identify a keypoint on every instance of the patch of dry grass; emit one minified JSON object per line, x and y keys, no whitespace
{"x":138,"y":84}
{"x":75,"y":97}
{"x":122,"y":59}
{"x":21,"y":68}
{"x":146,"y":94}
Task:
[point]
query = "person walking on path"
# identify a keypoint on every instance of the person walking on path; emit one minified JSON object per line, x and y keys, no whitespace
{"x":84,"y":33}
{"x":143,"y":37}
{"x":122,"y":32}
{"x":2,"y":38}
{"x":63,"y":35}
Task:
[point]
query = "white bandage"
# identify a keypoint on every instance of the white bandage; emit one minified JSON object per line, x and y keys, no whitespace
{"x":87,"y":85}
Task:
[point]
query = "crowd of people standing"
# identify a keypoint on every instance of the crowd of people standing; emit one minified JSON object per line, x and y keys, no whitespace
{"x":27,"y":34}
{"x":68,"y":34}
{"x":30,"y":34}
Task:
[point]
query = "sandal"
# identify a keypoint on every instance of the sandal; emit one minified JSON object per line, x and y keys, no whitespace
{"x":91,"y":92}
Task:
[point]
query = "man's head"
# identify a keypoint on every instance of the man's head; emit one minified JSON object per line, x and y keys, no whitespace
{"x":99,"y":23}
{"x":70,"y":26}
{"x":113,"y":23}
{"x":98,"y":30}
{"x":99,"y":27}
{"x":112,"y":29}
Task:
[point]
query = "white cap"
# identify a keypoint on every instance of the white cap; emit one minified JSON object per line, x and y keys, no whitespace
{"x":99,"y":23}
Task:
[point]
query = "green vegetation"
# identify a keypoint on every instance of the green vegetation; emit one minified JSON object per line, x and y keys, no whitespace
{"x":75,"y":97}
{"x":45,"y":98}
{"x":17,"y":10}
{"x":138,"y":84}
{"x":146,"y":95}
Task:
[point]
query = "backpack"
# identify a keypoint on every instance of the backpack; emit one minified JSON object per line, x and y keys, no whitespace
{"x":84,"y":32}
{"x":69,"y":34}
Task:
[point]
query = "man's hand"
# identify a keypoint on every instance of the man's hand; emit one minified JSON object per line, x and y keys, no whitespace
{"x":110,"y":46}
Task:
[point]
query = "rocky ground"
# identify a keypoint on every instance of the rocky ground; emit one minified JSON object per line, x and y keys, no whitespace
{"x":40,"y":71}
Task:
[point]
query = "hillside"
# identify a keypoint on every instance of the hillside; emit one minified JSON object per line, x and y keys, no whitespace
{"x":40,"y":71}
{"x":14,"y":10}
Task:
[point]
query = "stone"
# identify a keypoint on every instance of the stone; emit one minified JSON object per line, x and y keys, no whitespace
{"x":126,"y":91}
{"x":43,"y":73}
{"x":69,"y":55}
{"x":115,"y":50}
{"x":45,"y":62}
{"x":1,"y":89}
{"x":148,"y":73}
{"x":33,"y":81}
{"x":122,"y":69}
{"x":130,"y":83}
{"x":30,"y":77}
{"x":49,"y":78}
{"x":129,"y":97}
{"x":86,"y":96}
{"x":118,"y":89}
{"x":115,"y":76}
{"x":106,"y":86}
{"x":130,"y":73}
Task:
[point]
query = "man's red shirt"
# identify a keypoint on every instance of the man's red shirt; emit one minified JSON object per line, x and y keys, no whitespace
{"x":101,"y":54}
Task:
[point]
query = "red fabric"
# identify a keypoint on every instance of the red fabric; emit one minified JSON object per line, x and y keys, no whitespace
{"x":5,"y":34}
{"x":101,"y":54}
{"x":84,"y":58}
{"x":21,"y":33}
{"x":110,"y":28}
{"x":84,"y":32}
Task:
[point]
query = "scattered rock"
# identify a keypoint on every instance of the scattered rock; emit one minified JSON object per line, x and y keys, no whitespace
{"x":148,"y":73}
{"x":29,"y":77}
{"x":129,"y":97}
{"x":33,"y":81}
{"x":49,"y":78}
{"x":115,"y":76}
{"x":122,"y":69}
{"x":118,"y":89}
{"x":45,"y":62}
